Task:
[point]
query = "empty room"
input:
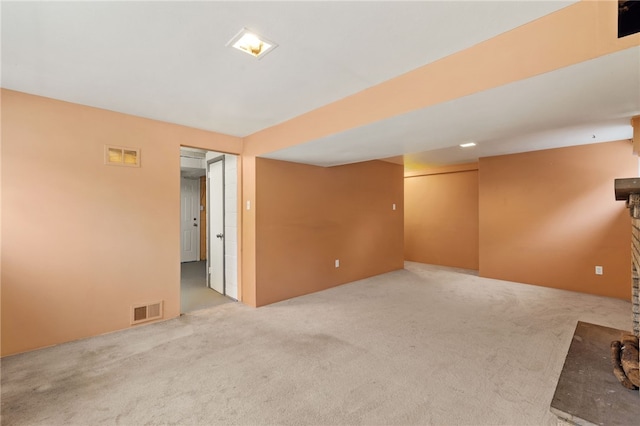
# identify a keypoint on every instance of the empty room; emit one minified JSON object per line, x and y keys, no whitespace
{"x":421,"y":212}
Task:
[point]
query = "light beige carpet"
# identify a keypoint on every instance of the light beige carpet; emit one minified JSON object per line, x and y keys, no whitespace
{"x":424,"y":345}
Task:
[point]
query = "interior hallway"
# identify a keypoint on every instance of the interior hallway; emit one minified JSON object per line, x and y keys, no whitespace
{"x":423,"y":345}
{"x":194,"y":293}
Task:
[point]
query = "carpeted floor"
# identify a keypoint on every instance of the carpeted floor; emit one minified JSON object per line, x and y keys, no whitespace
{"x":424,"y":345}
{"x":194,"y":293}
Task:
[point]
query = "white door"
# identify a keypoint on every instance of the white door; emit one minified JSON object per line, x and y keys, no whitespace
{"x":215,"y":175}
{"x":189,"y":220}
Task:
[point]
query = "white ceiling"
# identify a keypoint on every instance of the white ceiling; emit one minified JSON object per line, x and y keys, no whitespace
{"x":561,"y":108}
{"x":168,"y":61}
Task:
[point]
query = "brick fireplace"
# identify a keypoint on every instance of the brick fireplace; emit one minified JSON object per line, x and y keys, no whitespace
{"x":634,"y":210}
{"x":587,"y":392}
{"x":629,"y":191}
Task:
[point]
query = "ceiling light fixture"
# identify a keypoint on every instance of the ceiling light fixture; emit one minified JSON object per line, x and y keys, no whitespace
{"x":467,"y":145}
{"x":249,"y":42}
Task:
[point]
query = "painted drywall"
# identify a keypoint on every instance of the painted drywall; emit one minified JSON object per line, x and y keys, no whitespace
{"x":577,"y":33}
{"x":248,"y":237}
{"x":549,"y":217}
{"x":83,"y":241}
{"x":307,"y":217}
{"x":441,"y":217}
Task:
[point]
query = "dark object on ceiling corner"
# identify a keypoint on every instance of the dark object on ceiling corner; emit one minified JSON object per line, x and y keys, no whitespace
{"x":628,"y":17}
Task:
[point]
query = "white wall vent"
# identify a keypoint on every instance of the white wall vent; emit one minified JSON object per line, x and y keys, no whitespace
{"x":121,"y":156}
{"x":146,"y":312}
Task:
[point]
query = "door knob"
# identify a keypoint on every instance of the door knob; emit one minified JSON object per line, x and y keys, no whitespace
{"x":195,"y":224}
{"x":219,"y":236}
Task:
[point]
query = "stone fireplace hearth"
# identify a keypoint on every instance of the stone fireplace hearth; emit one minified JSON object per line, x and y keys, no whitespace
{"x":588,"y":391}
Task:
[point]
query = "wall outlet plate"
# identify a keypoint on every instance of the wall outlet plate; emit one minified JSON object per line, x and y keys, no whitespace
{"x":598,"y":270}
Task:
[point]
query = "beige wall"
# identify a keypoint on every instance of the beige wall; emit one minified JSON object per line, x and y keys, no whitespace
{"x":247,"y":208}
{"x":549,"y":217}
{"x":579,"y":32}
{"x":81,"y":241}
{"x":441,"y":217}
{"x":306,"y":217}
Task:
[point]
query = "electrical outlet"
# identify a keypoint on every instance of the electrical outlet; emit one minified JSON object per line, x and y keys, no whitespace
{"x":337,"y":263}
{"x":598,"y":270}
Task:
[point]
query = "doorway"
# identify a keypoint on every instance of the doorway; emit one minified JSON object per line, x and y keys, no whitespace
{"x":208,"y":224}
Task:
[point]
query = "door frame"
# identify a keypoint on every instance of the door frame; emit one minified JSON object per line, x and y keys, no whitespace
{"x":208,"y":233}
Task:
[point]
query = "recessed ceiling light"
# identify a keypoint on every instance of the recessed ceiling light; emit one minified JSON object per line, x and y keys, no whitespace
{"x":467,"y":145}
{"x":249,"y":42}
